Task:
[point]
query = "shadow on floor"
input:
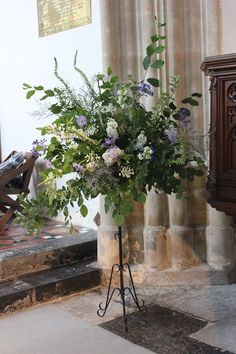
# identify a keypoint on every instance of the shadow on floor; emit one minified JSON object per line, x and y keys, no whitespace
{"x":163,"y":331}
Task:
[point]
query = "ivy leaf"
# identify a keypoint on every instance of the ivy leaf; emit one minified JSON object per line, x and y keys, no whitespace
{"x":186,"y":100}
{"x":159,"y":49}
{"x":146,"y":63}
{"x":55,"y":109}
{"x":107,"y":204}
{"x":166,"y":113}
{"x":30,"y":94}
{"x":83,"y":210}
{"x":154,"y":82}
{"x":150,"y":50}
{"x":109,"y":70}
{"x":191,"y":101}
{"x":157,"y":64}
{"x":154,"y":38}
{"x":172,"y":106}
{"x":141,"y":197}
{"x":118,"y":218}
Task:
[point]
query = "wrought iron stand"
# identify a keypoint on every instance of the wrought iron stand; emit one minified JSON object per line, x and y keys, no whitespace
{"x":122,"y":290}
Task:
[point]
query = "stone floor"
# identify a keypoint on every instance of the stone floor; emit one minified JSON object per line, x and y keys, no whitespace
{"x":180,"y":320}
{"x":199,"y":319}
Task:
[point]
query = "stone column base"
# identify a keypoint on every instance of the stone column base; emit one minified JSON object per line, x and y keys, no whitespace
{"x":198,"y":275}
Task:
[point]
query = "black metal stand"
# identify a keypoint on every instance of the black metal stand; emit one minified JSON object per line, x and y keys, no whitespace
{"x":122,"y":290}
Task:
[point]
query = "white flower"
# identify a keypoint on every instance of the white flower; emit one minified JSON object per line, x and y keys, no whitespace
{"x":140,"y":156}
{"x":112,"y":155}
{"x":141,"y":140}
{"x":126,"y":171}
{"x":90,"y":131}
{"x":105,"y":109}
{"x":73,"y":145}
{"x":146,"y":154}
{"x":111,"y":129}
{"x":112,"y":123}
{"x":112,"y":133}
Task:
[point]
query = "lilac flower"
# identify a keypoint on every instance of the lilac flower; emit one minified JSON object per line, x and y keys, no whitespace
{"x":48,"y":164}
{"x":39,"y":147}
{"x":172,"y":135}
{"x":108,"y":142}
{"x":182,"y":114}
{"x":81,"y":121}
{"x":35,"y":153}
{"x":112,"y":155}
{"x":145,"y":88}
{"x":39,"y":143}
{"x":78,"y":167}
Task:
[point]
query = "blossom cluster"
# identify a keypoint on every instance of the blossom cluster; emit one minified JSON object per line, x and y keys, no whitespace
{"x":115,"y":145}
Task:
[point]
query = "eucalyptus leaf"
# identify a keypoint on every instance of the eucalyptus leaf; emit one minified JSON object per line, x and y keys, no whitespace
{"x":38,"y":88}
{"x":150,"y":50}
{"x":157,"y":64}
{"x":49,"y":93}
{"x":83,"y":210}
{"x":30,"y":94}
{"x":154,"y":82}
{"x":160,"y":49}
{"x":196,"y":94}
{"x":146,"y":62}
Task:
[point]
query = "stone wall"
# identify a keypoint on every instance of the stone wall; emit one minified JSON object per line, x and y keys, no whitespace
{"x":169,"y":241}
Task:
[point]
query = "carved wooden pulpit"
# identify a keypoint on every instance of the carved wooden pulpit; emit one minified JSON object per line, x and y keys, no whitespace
{"x":221,"y":183}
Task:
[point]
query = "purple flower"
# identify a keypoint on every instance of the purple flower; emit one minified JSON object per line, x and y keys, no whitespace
{"x":39,"y":147}
{"x":182,"y":114}
{"x":48,"y":164}
{"x":35,"y":153}
{"x":145,"y":88}
{"x":39,"y":143}
{"x":78,"y":167}
{"x":172,"y":135}
{"x":81,"y":121}
{"x":108,"y":142}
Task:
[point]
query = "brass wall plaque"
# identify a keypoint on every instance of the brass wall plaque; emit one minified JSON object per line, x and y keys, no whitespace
{"x":60,"y":15}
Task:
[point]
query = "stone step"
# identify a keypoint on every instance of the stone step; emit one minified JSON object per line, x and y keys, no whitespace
{"x":47,"y":255}
{"x":43,"y":286}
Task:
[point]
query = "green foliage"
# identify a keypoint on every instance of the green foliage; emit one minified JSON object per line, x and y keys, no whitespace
{"x":112,"y":143}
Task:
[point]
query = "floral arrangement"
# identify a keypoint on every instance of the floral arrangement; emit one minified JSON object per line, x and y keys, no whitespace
{"x":115,"y":146}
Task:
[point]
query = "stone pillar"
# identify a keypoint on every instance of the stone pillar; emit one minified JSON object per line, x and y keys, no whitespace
{"x":197,"y":216}
{"x":134,"y":226}
{"x":180,"y":234}
{"x":126,"y":29}
{"x":155,"y":239}
{"x":107,"y":243}
{"x":220,"y":237}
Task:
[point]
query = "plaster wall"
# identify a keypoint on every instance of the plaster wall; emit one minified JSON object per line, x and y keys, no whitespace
{"x":27,"y":58}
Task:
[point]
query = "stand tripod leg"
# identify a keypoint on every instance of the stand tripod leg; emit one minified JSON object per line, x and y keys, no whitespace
{"x":122,"y":289}
{"x":102,"y":309}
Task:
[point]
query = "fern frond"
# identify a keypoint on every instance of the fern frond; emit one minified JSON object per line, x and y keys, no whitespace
{"x":67,"y":87}
{"x":84,"y":77}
